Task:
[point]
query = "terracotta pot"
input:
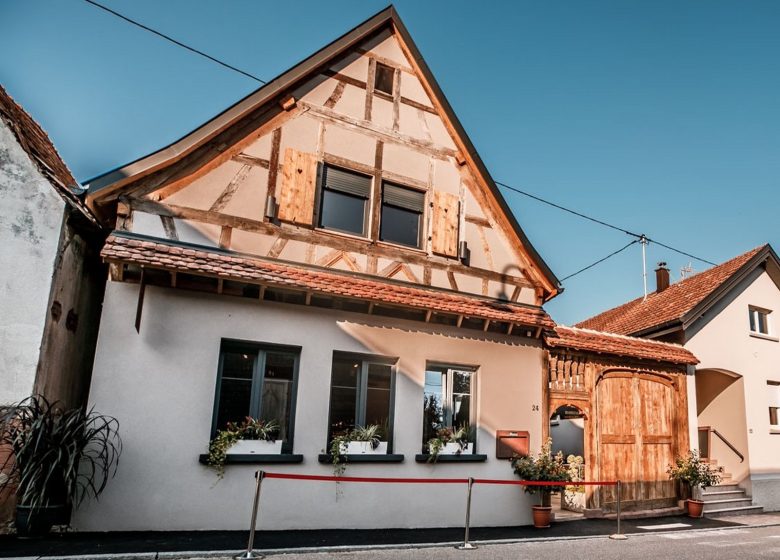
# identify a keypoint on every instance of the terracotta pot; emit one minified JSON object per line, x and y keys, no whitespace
{"x":542,"y":516}
{"x":695,"y":508}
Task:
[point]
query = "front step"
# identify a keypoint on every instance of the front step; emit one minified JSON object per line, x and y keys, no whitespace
{"x":745,"y":510}
{"x":724,"y":495}
{"x":718,"y":505}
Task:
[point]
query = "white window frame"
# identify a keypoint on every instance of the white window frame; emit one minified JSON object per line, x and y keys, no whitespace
{"x":754,"y":313}
{"x":773,"y":397}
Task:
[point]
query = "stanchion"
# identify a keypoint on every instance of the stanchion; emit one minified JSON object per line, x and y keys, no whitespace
{"x":250,"y":553}
{"x":466,"y":544}
{"x":618,"y":536}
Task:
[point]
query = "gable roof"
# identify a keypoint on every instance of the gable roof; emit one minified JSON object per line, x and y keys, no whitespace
{"x":587,"y":340}
{"x":114,"y":180}
{"x":36,"y":143}
{"x":681,"y":302}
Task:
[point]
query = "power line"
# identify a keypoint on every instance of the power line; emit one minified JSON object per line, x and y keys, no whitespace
{"x":174,"y":41}
{"x":601,"y":222}
{"x":601,"y":260}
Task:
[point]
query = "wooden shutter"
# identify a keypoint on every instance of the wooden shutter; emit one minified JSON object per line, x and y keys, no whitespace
{"x":444,"y":226}
{"x":299,"y":185}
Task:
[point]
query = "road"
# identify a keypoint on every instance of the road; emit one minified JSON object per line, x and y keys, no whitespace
{"x":719,"y":544}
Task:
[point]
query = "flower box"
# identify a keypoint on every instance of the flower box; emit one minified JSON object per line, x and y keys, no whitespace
{"x":363,"y":448}
{"x":453,"y":448}
{"x":255,"y":447}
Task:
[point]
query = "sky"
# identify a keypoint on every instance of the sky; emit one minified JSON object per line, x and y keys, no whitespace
{"x":661,"y":117}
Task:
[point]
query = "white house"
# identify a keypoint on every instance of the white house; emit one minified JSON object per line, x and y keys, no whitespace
{"x":726,"y":316}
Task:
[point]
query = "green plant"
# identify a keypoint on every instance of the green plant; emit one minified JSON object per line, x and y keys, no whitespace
{"x":445,"y":436}
{"x":545,"y":467}
{"x":692,"y":471}
{"x":372,"y":433}
{"x":58,"y":457}
{"x":250,"y":428}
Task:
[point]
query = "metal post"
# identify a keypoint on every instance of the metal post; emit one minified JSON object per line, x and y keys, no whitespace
{"x":250,"y":553}
{"x":618,"y":536}
{"x":466,"y":544}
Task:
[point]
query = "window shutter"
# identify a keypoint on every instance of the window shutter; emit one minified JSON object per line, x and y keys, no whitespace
{"x":403,"y":198}
{"x":299,"y":184}
{"x":347,"y":182}
{"x":445,"y":224}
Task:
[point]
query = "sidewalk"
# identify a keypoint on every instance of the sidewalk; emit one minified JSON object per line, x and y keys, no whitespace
{"x":124,"y":543}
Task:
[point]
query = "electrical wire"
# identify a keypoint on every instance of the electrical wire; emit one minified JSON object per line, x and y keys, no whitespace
{"x":174,"y":41}
{"x":635,"y":241}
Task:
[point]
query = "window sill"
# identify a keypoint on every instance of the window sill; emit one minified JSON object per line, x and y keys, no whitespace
{"x":462,"y":458}
{"x":256,"y":459}
{"x":774,"y":431}
{"x":367,"y":458}
{"x":764,"y":337}
{"x":391,"y":245}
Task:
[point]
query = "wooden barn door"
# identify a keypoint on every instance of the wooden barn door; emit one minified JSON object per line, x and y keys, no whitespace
{"x":635,"y":438}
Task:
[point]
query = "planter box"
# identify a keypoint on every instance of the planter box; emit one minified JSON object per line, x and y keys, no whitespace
{"x":454,"y":449}
{"x":255,"y":447}
{"x":363,"y":448}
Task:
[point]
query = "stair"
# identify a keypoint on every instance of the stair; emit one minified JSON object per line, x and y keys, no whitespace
{"x":727,"y":498}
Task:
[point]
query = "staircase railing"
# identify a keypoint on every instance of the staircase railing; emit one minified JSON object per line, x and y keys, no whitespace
{"x":704,"y":445}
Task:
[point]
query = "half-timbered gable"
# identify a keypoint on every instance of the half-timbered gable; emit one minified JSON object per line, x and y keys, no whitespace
{"x":356,"y":164}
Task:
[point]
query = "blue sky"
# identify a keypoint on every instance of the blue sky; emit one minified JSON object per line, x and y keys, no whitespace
{"x":661,"y":117}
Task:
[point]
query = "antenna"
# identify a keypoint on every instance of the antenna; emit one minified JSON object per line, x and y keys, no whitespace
{"x":687,"y":270}
{"x":644,"y":241}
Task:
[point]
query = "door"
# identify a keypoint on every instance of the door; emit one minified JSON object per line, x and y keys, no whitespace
{"x":635,"y":438}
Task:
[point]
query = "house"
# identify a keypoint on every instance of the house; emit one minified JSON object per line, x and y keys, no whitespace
{"x":52,"y":274}
{"x":725,"y":316}
{"x":331,"y":252}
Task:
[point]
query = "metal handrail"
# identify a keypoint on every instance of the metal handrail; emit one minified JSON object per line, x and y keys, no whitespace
{"x":729,"y":444}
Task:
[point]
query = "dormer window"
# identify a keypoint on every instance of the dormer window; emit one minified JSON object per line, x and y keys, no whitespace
{"x":759,"y":321}
{"x":383,"y":79}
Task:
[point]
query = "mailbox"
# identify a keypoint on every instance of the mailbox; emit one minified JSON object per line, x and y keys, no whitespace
{"x":510,"y":443}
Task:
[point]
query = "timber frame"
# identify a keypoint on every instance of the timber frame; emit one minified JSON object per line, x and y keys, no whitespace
{"x":204,"y":148}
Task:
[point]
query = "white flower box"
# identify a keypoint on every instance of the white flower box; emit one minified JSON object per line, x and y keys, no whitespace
{"x":363,"y":448}
{"x":452,"y":448}
{"x":255,"y":447}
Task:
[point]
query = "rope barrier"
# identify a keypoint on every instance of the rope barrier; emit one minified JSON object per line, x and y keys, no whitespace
{"x":470,"y":482}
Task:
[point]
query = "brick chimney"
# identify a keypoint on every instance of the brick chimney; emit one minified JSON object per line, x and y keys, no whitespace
{"x":661,"y":277}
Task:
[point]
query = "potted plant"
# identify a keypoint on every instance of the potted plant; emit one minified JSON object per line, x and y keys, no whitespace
{"x":252,"y":436}
{"x":362,"y":440}
{"x":58,"y":458}
{"x":449,"y":441}
{"x":692,"y":472}
{"x":545,"y":467}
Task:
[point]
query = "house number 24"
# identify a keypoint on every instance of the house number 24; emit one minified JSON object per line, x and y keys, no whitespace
{"x":535,"y":407}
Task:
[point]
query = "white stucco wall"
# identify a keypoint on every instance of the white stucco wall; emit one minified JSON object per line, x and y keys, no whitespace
{"x":160,"y":385}
{"x":725,"y":343}
{"x":30,"y":222}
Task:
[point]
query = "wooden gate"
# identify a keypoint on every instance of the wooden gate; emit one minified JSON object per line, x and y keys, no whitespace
{"x":637,"y":419}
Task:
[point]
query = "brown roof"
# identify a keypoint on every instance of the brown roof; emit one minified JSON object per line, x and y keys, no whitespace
{"x":39,"y":147}
{"x":228,"y":265}
{"x":671,"y":305}
{"x":619,"y":345}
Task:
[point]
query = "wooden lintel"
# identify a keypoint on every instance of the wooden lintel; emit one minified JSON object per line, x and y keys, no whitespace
{"x":460,"y":321}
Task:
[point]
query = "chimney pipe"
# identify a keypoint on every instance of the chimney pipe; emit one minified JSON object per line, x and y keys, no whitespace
{"x":661,"y":277}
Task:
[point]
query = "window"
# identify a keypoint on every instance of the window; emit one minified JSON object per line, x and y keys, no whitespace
{"x":383,"y":78}
{"x":402,"y":211}
{"x":361,"y":393}
{"x":773,"y":388}
{"x":344,"y":200}
{"x":759,"y":321}
{"x":257,"y":381}
{"x":448,"y":398}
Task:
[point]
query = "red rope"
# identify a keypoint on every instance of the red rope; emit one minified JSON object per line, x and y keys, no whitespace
{"x":385,"y":480}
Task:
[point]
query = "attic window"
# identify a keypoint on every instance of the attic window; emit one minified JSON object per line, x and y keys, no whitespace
{"x":759,"y":321}
{"x":383,"y":78}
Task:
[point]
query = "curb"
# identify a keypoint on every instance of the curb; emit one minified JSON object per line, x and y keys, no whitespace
{"x":184,"y":555}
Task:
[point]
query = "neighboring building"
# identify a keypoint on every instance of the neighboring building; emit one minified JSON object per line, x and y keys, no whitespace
{"x":330,"y":252}
{"x":51,"y":276}
{"x":726,"y":317}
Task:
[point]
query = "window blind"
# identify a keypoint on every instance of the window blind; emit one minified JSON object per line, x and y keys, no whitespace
{"x":403,"y":198}
{"x":346,"y":182}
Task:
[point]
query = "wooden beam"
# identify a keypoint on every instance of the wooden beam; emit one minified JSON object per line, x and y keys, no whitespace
{"x":224,"y":198}
{"x":323,"y":239}
{"x":246,"y":159}
{"x":220,"y":285}
{"x":261,"y":295}
{"x":140,"y":305}
{"x":170,"y":228}
{"x":428,"y":315}
{"x":486,"y":326}
{"x":308,"y":298}
{"x":460,"y":321}
{"x":376,"y":201}
{"x":273,"y":164}
{"x":510,"y":328}
{"x":334,"y":98}
{"x":478,"y":221}
{"x":288,"y":103}
{"x":370,"y":89}
{"x":370,"y":307}
{"x":173,"y":278}
{"x":277,"y":248}
{"x":225,"y":235}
